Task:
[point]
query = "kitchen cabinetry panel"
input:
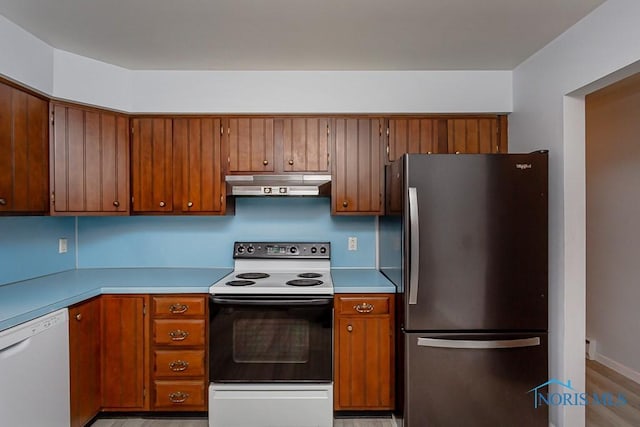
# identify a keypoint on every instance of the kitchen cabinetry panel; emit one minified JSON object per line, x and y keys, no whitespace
{"x":179,"y":370}
{"x":85,"y":361}
{"x":23,"y":152}
{"x":416,"y":136}
{"x":364,"y":352}
{"x":250,"y":145}
{"x":89,"y":161}
{"x":124,"y":353}
{"x":476,"y":135}
{"x":152,"y":164}
{"x":358,"y":168}
{"x":198,"y":153}
{"x":305,"y":144}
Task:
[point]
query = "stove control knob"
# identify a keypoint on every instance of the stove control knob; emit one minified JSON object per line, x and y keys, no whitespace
{"x":250,"y":250}
{"x":240,"y":249}
{"x":323,"y":250}
{"x":314,"y":249}
{"x":293,"y":250}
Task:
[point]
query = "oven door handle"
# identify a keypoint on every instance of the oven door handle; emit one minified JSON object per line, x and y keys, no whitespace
{"x":249,"y":301}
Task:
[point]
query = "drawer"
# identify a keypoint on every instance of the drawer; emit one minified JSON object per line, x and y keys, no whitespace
{"x":182,"y":332}
{"x":178,"y":363}
{"x":363,"y":304}
{"x":178,"y":305}
{"x":176,"y":395}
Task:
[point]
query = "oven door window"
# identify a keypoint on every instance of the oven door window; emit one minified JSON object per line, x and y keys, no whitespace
{"x":271,"y":339}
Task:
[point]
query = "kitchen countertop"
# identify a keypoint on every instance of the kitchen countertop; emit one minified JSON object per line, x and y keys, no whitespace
{"x":360,"y":280}
{"x":25,"y":300}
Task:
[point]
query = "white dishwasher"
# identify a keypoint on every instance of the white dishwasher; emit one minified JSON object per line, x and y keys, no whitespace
{"x":34,"y":372}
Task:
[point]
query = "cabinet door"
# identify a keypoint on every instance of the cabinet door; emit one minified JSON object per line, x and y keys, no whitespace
{"x":305,"y":144}
{"x":358,"y":168}
{"x":152,"y":164}
{"x":23,"y":152}
{"x":197,"y":147}
{"x":416,"y":136}
{"x":84,"y":361}
{"x":477,"y":135}
{"x":250,"y":145}
{"x":364,"y":362}
{"x":90,"y":161}
{"x":124,"y":353}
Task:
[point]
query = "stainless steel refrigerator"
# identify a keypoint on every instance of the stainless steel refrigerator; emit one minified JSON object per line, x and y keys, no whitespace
{"x":465,"y":241}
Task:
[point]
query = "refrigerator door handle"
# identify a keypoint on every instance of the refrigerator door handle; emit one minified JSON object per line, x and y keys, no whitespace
{"x":479,"y":345}
{"x":414,"y":238}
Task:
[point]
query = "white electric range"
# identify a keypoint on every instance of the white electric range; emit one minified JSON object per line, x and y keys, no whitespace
{"x":271,"y":337}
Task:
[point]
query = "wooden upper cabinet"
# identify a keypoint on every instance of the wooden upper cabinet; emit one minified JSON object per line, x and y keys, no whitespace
{"x":152,"y":165}
{"x":23,"y":152}
{"x":477,"y":135}
{"x":416,"y":136}
{"x":357,"y":167}
{"x":305,"y":144}
{"x":250,"y":145}
{"x":89,"y":161}
{"x":198,"y":153}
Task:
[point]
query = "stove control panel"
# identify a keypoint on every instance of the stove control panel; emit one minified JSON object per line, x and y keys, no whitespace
{"x":287,"y":250}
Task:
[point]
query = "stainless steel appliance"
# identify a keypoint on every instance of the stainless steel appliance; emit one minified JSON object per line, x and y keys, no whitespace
{"x":271,"y":334}
{"x":465,"y":241}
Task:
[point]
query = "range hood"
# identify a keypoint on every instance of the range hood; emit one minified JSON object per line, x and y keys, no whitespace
{"x":278,"y":185}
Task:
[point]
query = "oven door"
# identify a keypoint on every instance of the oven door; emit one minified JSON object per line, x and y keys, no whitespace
{"x":270,"y":339}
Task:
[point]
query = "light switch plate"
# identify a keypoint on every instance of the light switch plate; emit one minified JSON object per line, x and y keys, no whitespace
{"x":62,"y":245}
{"x":353,"y":243}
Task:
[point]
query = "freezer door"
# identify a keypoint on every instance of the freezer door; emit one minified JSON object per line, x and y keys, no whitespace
{"x":475,"y":242}
{"x":474,"y":380}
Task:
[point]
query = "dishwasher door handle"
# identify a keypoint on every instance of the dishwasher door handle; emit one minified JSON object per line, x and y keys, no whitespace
{"x":15,"y":348}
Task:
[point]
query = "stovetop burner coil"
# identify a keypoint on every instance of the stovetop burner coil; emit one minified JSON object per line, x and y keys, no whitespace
{"x":240,"y":283}
{"x":304,"y":282}
{"x":252,"y":276}
{"x":309,"y":275}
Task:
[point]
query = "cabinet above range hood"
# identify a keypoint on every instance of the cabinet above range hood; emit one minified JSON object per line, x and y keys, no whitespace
{"x":278,"y":185}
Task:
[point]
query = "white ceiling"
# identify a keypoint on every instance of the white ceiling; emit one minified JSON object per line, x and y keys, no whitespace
{"x":300,"y":34}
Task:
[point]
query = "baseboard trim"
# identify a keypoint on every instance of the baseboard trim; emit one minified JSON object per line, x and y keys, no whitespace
{"x":618,"y":367}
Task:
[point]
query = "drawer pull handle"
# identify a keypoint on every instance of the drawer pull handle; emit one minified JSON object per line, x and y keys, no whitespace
{"x":178,"y":335}
{"x":178,"y":396}
{"x":365,"y":307}
{"x":178,"y":308}
{"x":179,"y":365}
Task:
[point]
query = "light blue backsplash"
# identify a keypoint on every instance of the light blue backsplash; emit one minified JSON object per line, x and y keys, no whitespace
{"x":206,"y":241}
{"x":29,"y":247}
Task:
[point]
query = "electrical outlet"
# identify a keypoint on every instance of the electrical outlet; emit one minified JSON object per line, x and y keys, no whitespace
{"x":353,"y":243}
{"x":62,"y":245}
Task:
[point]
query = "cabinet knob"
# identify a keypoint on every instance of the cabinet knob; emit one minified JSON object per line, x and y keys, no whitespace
{"x":190,"y":204}
{"x":116,"y":204}
{"x":365,"y":307}
{"x":79,"y":317}
{"x":3,"y":201}
{"x":265,"y":162}
{"x":457,"y":152}
{"x":179,"y":365}
{"x":178,"y":397}
{"x":345,"y":204}
{"x":178,"y":308}
{"x":291,"y":162}
{"x":162,"y":204}
{"x":178,"y":335}
{"x":349,"y":328}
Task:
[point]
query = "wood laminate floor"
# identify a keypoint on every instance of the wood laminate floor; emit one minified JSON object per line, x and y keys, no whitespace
{"x":601,"y":379}
{"x":147,"y":422}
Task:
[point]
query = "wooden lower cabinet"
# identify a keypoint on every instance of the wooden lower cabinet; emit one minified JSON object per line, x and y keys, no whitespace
{"x":85,"y":361}
{"x":364,"y":352}
{"x":125,"y":353}
{"x":179,"y":368}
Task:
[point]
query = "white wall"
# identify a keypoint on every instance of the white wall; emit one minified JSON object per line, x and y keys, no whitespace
{"x":549,"y":113}
{"x":25,"y":58}
{"x":613,"y":224}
